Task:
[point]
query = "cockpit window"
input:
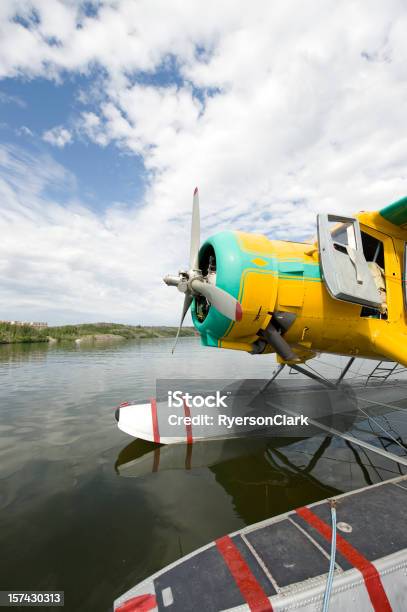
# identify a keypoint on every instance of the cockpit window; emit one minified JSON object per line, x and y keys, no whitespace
{"x":343,"y":234}
{"x":373,"y":250}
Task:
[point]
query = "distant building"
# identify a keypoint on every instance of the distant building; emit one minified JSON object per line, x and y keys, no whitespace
{"x":36,"y":324}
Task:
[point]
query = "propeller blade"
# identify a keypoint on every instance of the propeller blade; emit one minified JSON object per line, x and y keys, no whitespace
{"x":195,"y":232}
{"x":221,"y":300}
{"x":187,"y":303}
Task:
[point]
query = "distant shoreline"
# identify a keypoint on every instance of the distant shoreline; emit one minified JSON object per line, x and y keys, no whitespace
{"x":86,"y":333}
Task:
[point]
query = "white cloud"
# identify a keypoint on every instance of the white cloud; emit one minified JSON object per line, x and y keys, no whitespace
{"x":58,"y":136}
{"x":24,"y":131}
{"x":279,"y":110}
{"x":8,"y":99}
{"x":65,"y":262}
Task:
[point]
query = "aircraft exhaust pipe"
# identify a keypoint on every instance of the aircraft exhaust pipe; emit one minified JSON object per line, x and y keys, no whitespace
{"x":276,"y":340}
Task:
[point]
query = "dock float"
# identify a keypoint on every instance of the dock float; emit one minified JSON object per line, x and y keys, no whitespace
{"x":282,"y":563}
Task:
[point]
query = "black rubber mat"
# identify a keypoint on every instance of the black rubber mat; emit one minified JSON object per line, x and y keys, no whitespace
{"x":201,"y":583}
{"x":288,"y":554}
{"x":378,"y":517}
{"x":282,"y":554}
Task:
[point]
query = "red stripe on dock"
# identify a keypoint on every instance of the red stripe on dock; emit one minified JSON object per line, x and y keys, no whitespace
{"x":187,"y":413}
{"x":156,"y":432}
{"x":251,"y":590}
{"x":370,"y":574}
{"x":141,"y":603}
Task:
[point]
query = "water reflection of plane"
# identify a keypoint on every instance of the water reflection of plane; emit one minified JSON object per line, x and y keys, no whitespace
{"x":320,"y":465}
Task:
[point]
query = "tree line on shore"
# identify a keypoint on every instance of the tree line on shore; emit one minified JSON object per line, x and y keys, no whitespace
{"x":11,"y":333}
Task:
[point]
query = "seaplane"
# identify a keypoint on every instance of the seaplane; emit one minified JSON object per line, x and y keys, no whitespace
{"x":342,"y":293}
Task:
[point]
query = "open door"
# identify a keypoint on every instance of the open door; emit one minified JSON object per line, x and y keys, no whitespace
{"x":344,"y":267}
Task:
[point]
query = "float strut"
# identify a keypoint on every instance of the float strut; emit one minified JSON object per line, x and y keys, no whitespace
{"x":344,"y":371}
{"x":315,"y":376}
{"x":320,"y":379}
{"x":275,"y":374}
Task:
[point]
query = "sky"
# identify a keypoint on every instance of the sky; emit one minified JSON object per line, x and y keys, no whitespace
{"x":111,"y":112}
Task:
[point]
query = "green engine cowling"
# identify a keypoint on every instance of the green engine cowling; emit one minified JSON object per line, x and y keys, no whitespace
{"x":243,"y":265}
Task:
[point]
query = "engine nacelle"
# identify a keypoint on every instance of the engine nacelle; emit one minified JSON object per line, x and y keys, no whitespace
{"x":245,"y":266}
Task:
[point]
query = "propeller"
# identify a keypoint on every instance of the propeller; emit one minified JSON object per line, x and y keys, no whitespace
{"x":195,"y":232}
{"x":192,"y":283}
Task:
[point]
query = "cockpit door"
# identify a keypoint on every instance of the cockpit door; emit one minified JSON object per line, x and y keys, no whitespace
{"x":344,"y":267}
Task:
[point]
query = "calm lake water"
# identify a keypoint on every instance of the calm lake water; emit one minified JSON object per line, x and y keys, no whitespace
{"x":81,"y":509}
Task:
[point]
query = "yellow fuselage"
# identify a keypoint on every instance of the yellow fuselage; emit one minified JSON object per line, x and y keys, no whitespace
{"x":293,"y":283}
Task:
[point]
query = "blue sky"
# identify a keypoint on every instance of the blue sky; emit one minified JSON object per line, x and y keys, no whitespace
{"x":111,"y":112}
{"x":104,"y":175}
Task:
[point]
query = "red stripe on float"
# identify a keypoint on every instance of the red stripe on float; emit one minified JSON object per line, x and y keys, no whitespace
{"x":239,"y":312}
{"x":370,"y":574}
{"x":156,"y":432}
{"x":251,"y":590}
{"x":188,"y":428}
{"x":141,"y":603}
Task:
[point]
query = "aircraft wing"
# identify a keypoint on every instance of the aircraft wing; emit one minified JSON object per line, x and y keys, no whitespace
{"x":396,"y":213}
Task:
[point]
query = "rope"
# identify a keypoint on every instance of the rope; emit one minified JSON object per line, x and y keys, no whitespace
{"x":330,"y":576}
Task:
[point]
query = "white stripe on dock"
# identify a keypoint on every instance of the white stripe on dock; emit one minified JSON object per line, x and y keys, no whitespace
{"x":260,"y":562}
